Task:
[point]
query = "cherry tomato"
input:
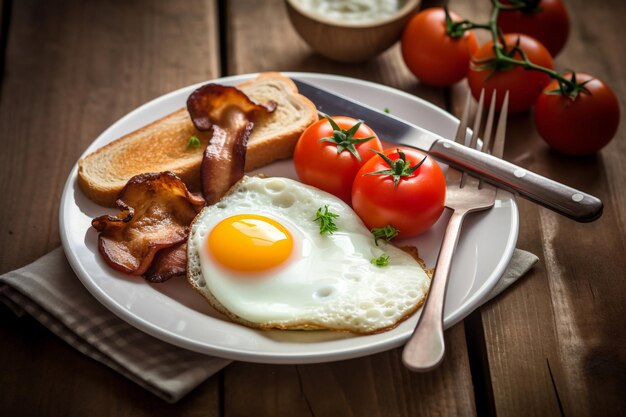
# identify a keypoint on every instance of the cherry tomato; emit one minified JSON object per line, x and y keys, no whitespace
{"x":580,"y":125}
{"x":523,"y":85}
{"x":411,"y":203}
{"x":432,"y":55}
{"x":326,"y":157}
{"x":548,"y":22}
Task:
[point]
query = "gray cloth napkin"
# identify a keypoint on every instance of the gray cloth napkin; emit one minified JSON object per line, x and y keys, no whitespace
{"x":48,"y":290}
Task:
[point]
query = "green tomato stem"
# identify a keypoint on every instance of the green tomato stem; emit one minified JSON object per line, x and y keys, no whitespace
{"x":568,"y":87}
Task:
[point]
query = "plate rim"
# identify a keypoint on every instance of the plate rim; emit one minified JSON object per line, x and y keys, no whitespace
{"x":470,"y":303}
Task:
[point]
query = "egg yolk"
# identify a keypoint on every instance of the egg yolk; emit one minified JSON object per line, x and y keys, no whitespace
{"x":249,"y":243}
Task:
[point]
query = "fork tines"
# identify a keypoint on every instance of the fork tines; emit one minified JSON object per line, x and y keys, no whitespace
{"x":494,"y":147}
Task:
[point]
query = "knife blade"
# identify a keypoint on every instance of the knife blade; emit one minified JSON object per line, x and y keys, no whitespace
{"x":551,"y":194}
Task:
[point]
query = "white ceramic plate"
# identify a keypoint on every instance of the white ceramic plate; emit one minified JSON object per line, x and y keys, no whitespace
{"x":173,"y":312}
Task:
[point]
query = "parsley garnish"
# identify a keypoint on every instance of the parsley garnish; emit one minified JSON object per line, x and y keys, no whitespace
{"x":386,"y":110}
{"x":381,"y":261}
{"x":326,"y":219}
{"x":193,"y":142}
{"x":388,"y":232}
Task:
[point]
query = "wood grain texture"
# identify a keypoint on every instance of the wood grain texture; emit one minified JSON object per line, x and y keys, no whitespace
{"x":4,"y":27}
{"x":72,"y":69}
{"x":554,"y":344}
{"x":279,"y":48}
{"x":561,"y":327}
{"x":376,"y":385}
{"x":43,"y":376}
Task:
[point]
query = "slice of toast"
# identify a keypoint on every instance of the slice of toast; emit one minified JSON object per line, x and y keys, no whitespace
{"x":162,"y":145}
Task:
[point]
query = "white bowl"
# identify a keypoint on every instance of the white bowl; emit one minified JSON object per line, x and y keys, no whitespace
{"x":349,"y":41}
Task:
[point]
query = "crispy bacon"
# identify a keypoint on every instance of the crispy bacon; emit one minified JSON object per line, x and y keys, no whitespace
{"x":224,"y":106}
{"x":230,"y":114}
{"x":156,"y":211}
{"x":148,"y":237}
{"x":223,"y":162}
{"x":168,"y":263}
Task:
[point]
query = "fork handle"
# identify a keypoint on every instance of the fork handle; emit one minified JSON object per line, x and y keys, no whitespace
{"x":425,"y":349}
{"x":565,"y":200}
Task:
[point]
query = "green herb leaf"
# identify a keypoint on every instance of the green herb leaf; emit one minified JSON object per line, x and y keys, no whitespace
{"x":386,"y":110}
{"x":387,"y":233}
{"x":193,"y":142}
{"x":326,"y":219}
{"x":381,"y":261}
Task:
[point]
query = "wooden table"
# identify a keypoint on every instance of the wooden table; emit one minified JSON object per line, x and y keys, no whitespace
{"x":553,"y":345}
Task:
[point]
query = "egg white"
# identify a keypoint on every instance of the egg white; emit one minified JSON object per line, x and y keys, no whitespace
{"x":328,"y":281}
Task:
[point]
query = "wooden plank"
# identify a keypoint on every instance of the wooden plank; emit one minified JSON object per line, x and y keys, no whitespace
{"x":42,"y":375}
{"x":4,"y":14}
{"x":375,"y":385}
{"x":72,"y":69}
{"x":585,"y":289}
{"x":281,"y":49}
{"x":68,"y":78}
{"x":560,"y":327}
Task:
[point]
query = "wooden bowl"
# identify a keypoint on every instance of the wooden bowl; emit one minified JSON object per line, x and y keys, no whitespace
{"x":349,"y":41}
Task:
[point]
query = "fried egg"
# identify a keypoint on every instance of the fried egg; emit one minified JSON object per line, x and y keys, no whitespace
{"x":258,"y":257}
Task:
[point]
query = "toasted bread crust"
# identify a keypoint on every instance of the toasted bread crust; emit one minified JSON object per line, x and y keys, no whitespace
{"x":161,"y":145}
{"x":151,"y":148}
{"x":269,"y":140}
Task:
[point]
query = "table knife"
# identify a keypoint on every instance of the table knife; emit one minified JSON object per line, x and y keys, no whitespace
{"x":561,"y":198}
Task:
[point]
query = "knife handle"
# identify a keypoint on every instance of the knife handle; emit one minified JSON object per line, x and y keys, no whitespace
{"x":565,"y":200}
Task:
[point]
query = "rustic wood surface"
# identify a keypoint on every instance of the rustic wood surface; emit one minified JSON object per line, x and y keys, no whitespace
{"x":554,"y":344}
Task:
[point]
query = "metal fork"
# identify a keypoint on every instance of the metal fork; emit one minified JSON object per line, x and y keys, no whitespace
{"x":465,"y":194}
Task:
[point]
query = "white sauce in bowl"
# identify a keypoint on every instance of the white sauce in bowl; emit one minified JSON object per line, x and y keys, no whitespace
{"x":357,"y":11}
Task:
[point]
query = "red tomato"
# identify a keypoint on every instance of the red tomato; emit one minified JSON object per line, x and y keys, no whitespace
{"x":523,"y":85}
{"x":580,"y":125}
{"x":548,"y":22}
{"x":431,"y":54}
{"x":412,"y":205}
{"x":323,"y":163}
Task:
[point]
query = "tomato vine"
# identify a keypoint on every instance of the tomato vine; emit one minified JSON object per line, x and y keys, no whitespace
{"x":504,"y":55}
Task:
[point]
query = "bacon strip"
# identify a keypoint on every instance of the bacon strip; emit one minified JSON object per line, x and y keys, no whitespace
{"x":223,"y":161}
{"x":230,"y":114}
{"x":168,"y":263}
{"x":156,"y":211}
{"x":148,"y":237}
{"x":224,"y":106}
